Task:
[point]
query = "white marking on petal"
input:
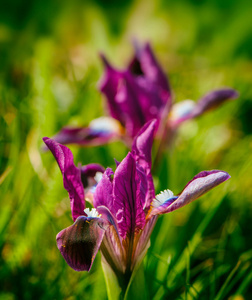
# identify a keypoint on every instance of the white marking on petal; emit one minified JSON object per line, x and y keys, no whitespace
{"x":98,"y":176}
{"x":93,"y":213}
{"x":182,"y":109}
{"x":162,"y":198}
{"x":105,"y":125}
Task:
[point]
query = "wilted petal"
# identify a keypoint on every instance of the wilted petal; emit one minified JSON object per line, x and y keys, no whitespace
{"x":127,"y":197}
{"x":80,"y":242}
{"x":199,"y":185}
{"x":100,"y":131}
{"x":71,"y":176}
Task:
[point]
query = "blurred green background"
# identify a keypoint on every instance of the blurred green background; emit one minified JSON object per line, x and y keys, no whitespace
{"x":49,"y":69}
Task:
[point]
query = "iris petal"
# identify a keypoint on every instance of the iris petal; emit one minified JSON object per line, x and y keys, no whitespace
{"x":127,"y":197}
{"x":79,"y":243}
{"x":136,"y":98}
{"x":148,"y":65}
{"x":141,"y":149}
{"x":71,"y":176}
{"x":213,"y":99}
{"x":199,"y":185}
{"x":206,"y":103}
{"x":103,"y":192}
{"x":93,"y":135}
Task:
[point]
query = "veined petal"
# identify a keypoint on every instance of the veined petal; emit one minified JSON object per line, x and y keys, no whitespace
{"x":71,"y":176}
{"x":142,"y":144}
{"x":142,"y":242}
{"x":80,"y":242}
{"x":126,"y":186}
{"x":141,"y":150}
{"x":99,"y":132}
{"x":199,"y":185}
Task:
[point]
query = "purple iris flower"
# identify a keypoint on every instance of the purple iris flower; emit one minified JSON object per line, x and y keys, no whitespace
{"x":136,"y":95}
{"x":125,"y":208}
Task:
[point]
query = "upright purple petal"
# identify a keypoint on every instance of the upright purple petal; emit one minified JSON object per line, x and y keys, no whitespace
{"x":199,"y":185}
{"x":141,"y":149}
{"x":71,"y":176}
{"x":142,"y":144}
{"x":127,"y":197}
{"x":80,"y":242}
{"x":140,"y":102}
{"x":149,"y":66}
{"x":109,"y":86}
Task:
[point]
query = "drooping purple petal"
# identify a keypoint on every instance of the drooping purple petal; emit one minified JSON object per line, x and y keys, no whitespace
{"x":71,"y":176}
{"x":80,"y":242}
{"x":127,"y":197}
{"x":103,"y":195}
{"x":199,"y":185}
{"x":99,"y":132}
{"x":188,"y":109}
{"x":213,"y":99}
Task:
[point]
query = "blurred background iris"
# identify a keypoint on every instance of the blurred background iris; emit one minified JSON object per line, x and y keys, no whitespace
{"x":49,"y":69}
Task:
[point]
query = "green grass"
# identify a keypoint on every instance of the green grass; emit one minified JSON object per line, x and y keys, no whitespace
{"x":48,"y":78}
